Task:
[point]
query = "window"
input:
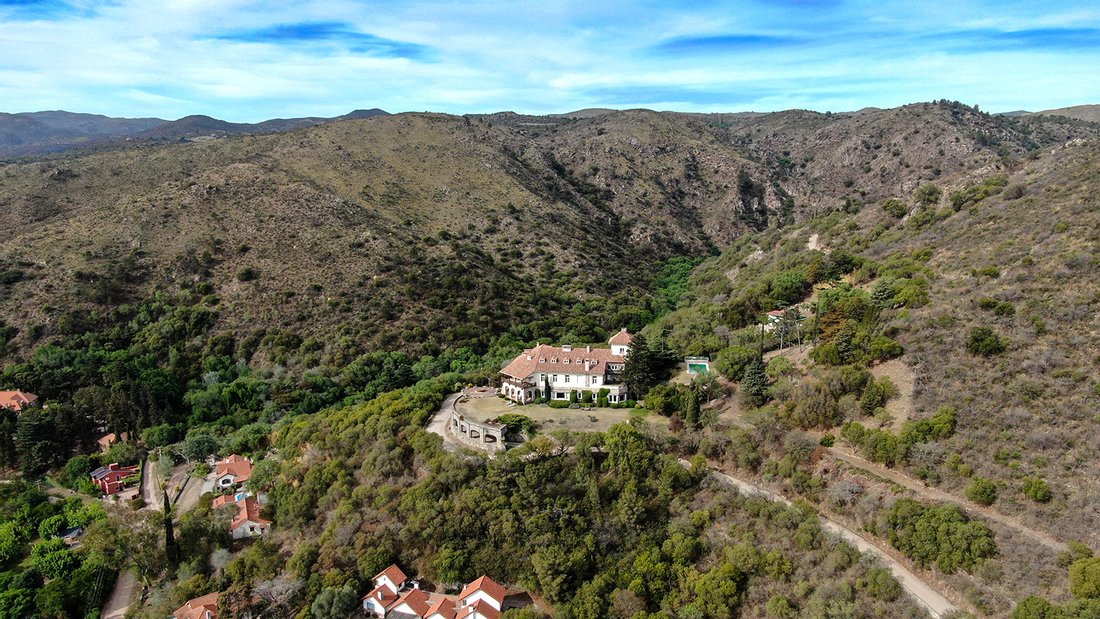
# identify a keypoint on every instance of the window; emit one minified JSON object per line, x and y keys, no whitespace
{"x":595,"y":380}
{"x":555,"y":378}
{"x":566,"y":378}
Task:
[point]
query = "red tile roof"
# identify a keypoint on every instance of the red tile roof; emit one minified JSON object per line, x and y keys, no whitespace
{"x":16,"y":400}
{"x":249,"y":512}
{"x":622,"y":337}
{"x":444,"y":607}
{"x":546,"y":358}
{"x":394,"y":573}
{"x":416,"y":599}
{"x":383,"y":596}
{"x":237,"y":466}
{"x":198,"y":607}
{"x":482,"y":607}
{"x":222,"y":501}
{"x":486,"y":584}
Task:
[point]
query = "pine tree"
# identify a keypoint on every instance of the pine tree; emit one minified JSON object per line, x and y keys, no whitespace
{"x":755,"y":383}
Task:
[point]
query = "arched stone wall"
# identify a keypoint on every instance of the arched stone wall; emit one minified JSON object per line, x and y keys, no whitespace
{"x":478,"y":435}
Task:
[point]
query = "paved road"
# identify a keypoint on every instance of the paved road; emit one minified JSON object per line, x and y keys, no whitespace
{"x":924,"y":594}
{"x":120,"y":599}
{"x":150,"y":486}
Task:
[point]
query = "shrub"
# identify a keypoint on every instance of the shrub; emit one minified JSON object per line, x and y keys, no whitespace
{"x":928,"y":194}
{"x":1037,"y":489}
{"x":984,"y":342}
{"x":558,"y":404}
{"x":884,"y":349}
{"x":247,"y":274}
{"x":895,"y":208}
{"x":982,"y":491}
{"x":1084,"y":578}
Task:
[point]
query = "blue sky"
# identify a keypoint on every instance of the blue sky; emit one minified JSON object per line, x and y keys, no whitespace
{"x":245,"y":60}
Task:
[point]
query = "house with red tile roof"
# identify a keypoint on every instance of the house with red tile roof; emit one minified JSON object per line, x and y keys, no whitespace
{"x":397,"y":597}
{"x":205,"y":607}
{"x":232,"y":470}
{"x":483,"y":589}
{"x":107,"y":440}
{"x":114,"y":477}
{"x":247,"y":522}
{"x":17,"y":400}
{"x":478,"y":610}
{"x":443,"y":608}
{"x":553,"y":372}
{"x":387,"y":587}
{"x":412,"y":604}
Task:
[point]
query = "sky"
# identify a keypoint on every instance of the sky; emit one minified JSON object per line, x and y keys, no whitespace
{"x":246,"y":61}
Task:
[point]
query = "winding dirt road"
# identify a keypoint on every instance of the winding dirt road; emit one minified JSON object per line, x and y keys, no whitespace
{"x":924,"y":594}
{"x":935,"y":494}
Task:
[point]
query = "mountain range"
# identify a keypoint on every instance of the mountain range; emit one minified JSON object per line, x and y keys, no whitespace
{"x":36,"y":133}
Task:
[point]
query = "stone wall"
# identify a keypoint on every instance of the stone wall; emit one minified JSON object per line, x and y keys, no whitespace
{"x":476,"y":434}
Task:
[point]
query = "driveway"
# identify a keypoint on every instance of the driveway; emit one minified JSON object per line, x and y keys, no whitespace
{"x":120,"y":599}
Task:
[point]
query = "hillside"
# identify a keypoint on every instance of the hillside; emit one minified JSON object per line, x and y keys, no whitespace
{"x":1089,"y":113}
{"x":408,"y":231}
{"x":1010,"y":253}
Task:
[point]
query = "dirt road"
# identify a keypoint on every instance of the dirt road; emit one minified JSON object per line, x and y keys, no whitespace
{"x":438,"y":423}
{"x":936,"y":494}
{"x":924,"y":594}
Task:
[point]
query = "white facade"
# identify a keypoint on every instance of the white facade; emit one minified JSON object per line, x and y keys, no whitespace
{"x":473,"y":598}
{"x":250,"y":529}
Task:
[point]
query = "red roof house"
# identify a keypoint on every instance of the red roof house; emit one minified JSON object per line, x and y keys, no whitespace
{"x":478,"y":610}
{"x":232,"y":470}
{"x":112,"y":478}
{"x":248,"y":522}
{"x":413,"y":602}
{"x":205,"y":607}
{"x":484,"y":589}
{"x":17,"y":400}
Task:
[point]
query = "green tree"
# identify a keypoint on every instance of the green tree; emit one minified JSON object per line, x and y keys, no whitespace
{"x":789,"y":286}
{"x":645,"y":366}
{"x":197,"y":447}
{"x":731,"y":362}
{"x":755,"y":383}
{"x":335,"y":602}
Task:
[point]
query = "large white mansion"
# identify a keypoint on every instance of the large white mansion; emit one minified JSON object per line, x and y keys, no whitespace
{"x":559,"y":370}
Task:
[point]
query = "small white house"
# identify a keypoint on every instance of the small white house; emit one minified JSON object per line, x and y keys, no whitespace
{"x":483,"y":589}
{"x":248,"y":522}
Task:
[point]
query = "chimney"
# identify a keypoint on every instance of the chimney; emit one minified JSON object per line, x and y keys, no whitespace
{"x":566,"y":348}
{"x":529,"y":357}
{"x":589,"y":348}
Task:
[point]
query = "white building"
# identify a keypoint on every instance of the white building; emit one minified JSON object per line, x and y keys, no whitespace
{"x":558,"y":371}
